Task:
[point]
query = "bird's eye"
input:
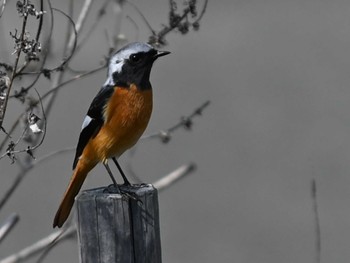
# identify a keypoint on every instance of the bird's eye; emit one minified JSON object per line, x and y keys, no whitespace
{"x":135,"y":58}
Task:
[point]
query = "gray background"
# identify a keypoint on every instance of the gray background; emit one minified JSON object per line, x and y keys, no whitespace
{"x":277,"y":74}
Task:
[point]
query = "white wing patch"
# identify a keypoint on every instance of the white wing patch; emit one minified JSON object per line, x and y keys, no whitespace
{"x":86,"y":121}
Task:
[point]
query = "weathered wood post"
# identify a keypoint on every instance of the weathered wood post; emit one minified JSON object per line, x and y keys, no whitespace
{"x":119,"y":229}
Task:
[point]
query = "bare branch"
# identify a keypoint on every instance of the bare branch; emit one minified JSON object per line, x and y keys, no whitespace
{"x":67,"y":232}
{"x":7,"y":226}
{"x":174,"y":176}
{"x":166,"y":135}
{"x":2,"y":9}
{"x":40,"y":245}
{"x":316,"y":221}
{"x":80,"y":22}
{"x":101,"y":12}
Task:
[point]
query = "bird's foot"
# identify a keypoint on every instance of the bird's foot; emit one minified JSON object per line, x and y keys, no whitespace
{"x":121,"y":189}
{"x":113,"y":189}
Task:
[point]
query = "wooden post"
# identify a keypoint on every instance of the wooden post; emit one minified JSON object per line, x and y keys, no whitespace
{"x":119,"y":229}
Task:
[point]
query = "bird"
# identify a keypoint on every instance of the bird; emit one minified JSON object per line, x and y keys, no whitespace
{"x":116,"y":118}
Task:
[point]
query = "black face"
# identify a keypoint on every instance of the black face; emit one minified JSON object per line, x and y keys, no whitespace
{"x":136,"y":70}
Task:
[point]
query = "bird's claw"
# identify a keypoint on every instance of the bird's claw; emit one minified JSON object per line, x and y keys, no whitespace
{"x":113,"y":189}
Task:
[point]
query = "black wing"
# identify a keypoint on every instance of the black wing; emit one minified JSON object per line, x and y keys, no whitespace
{"x":95,"y":113}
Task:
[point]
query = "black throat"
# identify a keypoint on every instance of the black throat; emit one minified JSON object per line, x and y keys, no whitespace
{"x":130,"y":75}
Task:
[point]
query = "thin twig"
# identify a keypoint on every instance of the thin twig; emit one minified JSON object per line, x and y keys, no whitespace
{"x":203,"y":11}
{"x":22,"y":135}
{"x":45,"y":122}
{"x":70,"y":14}
{"x":68,"y":50}
{"x":117,"y":39}
{"x":12,"y":189}
{"x":181,"y":22}
{"x":74,"y":78}
{"x":48,"y":156}
{"x":170,"y":28}
{"x":71,"y":45}
{"x":186,"y":122}
{"x":14,"y":126}
{"x":142,"y":16}
{"x":44,"y":57}
{"x":80,"y":76}
{"x":3,"y":107}
{"x":137,"y":29}
{"x":29,"y":149}
{"x":8,"y":225}
{"x":38,"y":32}
{"x":316,"y":221}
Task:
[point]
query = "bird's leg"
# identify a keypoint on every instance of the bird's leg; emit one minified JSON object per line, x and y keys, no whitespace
{"x":111,"y":175}
{"x":126,"y":181}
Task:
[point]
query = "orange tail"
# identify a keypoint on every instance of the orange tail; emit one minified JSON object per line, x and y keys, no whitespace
{"x":74,"y":186}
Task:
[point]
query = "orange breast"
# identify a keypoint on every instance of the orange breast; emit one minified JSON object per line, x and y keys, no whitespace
{"x":127,"y":114}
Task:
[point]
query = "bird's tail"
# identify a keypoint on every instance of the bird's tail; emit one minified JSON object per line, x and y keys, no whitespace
{"x":78,"y":177}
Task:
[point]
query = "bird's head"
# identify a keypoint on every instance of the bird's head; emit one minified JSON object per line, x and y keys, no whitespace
{"x":132,"y":65}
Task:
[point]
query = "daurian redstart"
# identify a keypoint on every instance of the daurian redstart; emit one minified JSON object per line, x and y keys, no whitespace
{"x":116,"y":119}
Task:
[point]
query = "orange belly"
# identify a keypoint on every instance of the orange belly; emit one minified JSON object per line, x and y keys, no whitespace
{"x":126,"y":117}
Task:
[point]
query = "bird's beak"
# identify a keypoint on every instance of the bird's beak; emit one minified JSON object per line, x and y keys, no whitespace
{"x":161,"y":54}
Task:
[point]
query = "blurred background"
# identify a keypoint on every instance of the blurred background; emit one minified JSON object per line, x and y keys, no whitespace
{"x":277,"y":76}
